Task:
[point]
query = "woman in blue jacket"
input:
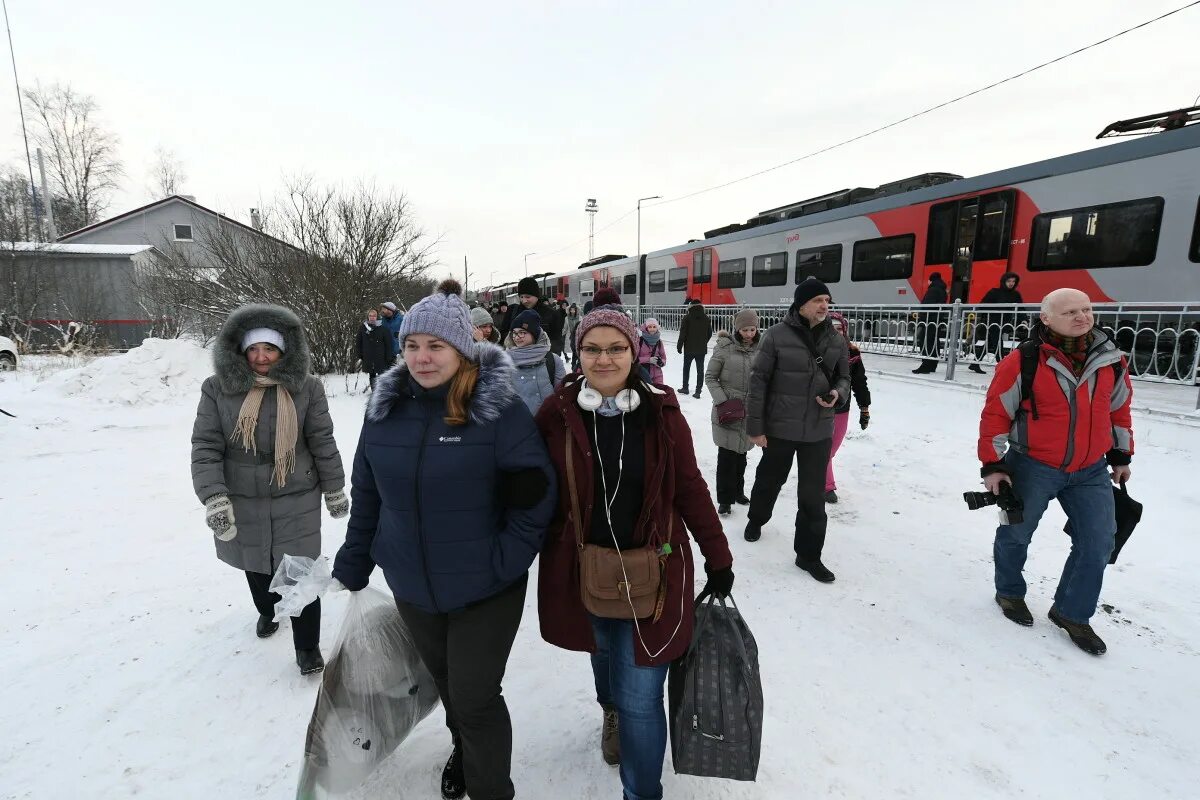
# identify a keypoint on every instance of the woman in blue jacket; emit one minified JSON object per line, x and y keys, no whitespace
{"x":451,"y":495}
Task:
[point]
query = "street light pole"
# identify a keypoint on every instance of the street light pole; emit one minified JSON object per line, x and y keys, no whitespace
{"x":527,"y":255}
{"x":591,"y":208}
{"x":639,"y":229}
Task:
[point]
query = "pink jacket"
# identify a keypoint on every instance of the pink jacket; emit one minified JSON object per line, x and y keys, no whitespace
{"x":645,"y":352}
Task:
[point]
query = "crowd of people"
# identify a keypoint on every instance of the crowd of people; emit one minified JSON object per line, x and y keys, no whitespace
{"x":483,"y":449}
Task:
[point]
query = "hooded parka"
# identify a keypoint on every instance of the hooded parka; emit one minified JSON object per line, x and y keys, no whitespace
{"x":271,"y":520}
{"x":728,"y":378}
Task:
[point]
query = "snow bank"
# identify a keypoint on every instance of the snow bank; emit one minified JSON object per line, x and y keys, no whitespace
{"x":159,"y":371}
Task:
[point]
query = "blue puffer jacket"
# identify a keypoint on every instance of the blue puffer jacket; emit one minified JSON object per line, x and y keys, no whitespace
{"x":424,"y":503}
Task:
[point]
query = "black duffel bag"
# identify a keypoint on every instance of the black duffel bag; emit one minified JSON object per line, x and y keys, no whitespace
{"x":715,"y":697}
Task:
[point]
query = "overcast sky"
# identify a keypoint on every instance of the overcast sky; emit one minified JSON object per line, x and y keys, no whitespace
{"x":499,"y":120}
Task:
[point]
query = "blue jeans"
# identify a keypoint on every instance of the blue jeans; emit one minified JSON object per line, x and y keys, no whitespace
{"x":637,"y":694}
{"x":1086,"y":495}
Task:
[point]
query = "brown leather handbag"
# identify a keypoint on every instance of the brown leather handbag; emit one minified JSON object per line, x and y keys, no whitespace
{"x":615,"y":584}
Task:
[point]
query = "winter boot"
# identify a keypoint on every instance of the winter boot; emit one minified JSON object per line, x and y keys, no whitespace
{"x":310,"y":661}
{"x":697,"y":394}
{"x":753,"y":531}
{"x":976,"y":368}
{"x":266,"y":626}
{"x":831,"y":496}
{"x":724,"y":510}
{"x":454,"y":783}
{"x":685,"y":390}
{"x":1081,"y":634}
{"x":1015,"y":609}
{"x":743,"y":501}
{"x":610,"y":739}
{"x":816,"y":569}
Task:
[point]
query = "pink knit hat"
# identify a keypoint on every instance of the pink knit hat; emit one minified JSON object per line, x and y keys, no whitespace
{"x":613,"y":317}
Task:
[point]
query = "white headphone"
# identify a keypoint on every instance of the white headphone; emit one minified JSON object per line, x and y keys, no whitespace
{"x":589,"y":399}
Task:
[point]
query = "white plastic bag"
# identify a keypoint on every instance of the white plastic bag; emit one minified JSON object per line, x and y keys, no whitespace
{"x":373,"y":693}
{"x":298,"y":581}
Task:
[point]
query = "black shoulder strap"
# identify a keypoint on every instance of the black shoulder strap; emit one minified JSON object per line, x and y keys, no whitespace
{"x":1029,"y":364}
{"x":550,"y":367}
{"x":813,"y":352}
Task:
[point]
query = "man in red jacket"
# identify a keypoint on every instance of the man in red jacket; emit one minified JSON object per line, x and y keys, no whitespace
{"x":1059,"y":441}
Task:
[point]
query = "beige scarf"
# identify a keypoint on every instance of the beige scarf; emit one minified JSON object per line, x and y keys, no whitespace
{"x":285,"y":426}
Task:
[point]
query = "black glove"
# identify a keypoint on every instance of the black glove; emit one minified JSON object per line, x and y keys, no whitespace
{"x":720,"y":582}
{"x":522,"y":489}
{"x":1118,"y":458}
{"x":995,"y":466}
{"x":864,"y":418}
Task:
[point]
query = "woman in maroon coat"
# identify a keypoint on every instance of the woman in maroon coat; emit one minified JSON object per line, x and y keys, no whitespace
{"x":636,"y":485}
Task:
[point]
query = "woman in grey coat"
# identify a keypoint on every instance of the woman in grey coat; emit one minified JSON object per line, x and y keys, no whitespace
{"x":728,"y":379}
{"x":263,"y":453}
{"x":538,"y":369}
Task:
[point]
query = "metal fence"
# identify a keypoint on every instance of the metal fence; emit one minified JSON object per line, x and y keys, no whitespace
{"x":1161,"y":339}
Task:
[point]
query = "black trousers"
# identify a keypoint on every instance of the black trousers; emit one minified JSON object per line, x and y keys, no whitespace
{"x":466,"y":651}
{"x":371,"y":377}
{"x":688,"y":358}
{"x":306,"y":628}
{"x":811,"y":461}
{"x":731,"y":476}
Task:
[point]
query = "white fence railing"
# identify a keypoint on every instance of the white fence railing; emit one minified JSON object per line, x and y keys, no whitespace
{"x":1161,"y":339}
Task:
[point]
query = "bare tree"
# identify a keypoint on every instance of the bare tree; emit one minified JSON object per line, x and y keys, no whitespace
{"x":17,"y":217}
{"x":330,"y":254}
{"x":84,"y":166}
{"x":166,"y":174}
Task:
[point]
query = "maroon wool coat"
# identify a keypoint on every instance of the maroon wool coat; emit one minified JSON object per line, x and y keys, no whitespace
{"x":675,"y":493}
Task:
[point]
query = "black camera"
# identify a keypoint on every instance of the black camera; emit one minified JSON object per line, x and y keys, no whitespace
{"x":1007,"y":500}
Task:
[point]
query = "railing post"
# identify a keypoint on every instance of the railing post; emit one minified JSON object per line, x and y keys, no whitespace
{"x":956,"y":315}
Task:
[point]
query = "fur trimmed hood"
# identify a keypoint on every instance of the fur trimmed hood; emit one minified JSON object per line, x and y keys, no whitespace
{"x":230,"y":365}
{"x":493,"y":391}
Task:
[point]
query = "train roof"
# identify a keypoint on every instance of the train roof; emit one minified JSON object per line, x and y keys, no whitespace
{"x":1132,"y":150}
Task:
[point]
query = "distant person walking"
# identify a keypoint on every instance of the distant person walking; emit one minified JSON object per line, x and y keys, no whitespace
{"x":841,"y":413}
{"x":375,"y":346}
{"x":694,"y":332}
{"x":392,"y":319}
{"x":728,"y":382}
{"x":928,"y":324}
{"x":651,"y":354}
{"x":995,"y":325}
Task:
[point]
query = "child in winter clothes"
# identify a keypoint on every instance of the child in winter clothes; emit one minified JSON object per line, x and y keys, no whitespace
{"x":841,"y":415}
{"x":728,"y":379}
{"x":538,"y":369}
{"x":650,"y":353}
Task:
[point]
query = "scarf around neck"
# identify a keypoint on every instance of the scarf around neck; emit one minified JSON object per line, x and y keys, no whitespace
{"x":285,"y":426}
{"x":529,"y":354}
{"x":652,"y":340}
{"x":1073,"y":347}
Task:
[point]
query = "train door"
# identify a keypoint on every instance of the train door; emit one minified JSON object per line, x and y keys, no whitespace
{"x":702,"y":283}
{"x":971,"y":235}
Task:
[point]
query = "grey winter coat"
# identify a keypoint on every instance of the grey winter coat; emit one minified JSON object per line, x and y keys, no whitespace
{"x":532,"y":379}
{"x":728,"y":378}
{"x":785,"y":380}
{"x":271,"y":520}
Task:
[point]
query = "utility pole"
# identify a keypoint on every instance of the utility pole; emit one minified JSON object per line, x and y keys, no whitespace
{"x":466,"y":277}
{"x":21,"y":108}
{"x":591,"y":208}
{"x":527,"y":255}
{"x":47,"y":203}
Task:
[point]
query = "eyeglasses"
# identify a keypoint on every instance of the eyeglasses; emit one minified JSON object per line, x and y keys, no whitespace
{"x":612,"y":352}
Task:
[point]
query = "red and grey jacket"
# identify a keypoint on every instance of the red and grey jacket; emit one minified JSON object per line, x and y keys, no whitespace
{"x":1079,"y":420}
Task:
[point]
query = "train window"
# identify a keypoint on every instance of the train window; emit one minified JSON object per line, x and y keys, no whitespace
{"x":702,"y":265}
{"x":1111,"y":235}
{"x":587,"y":287}
{"x":677,"y":279}
{"x":995,"y":227}
{"x":769,"y":270}
{"x":731,"y":274}
{"x":823,"y":263}
{"x":656,"y":281}
{"x":943,"y":223}
{"x":1194,"y":253}
{"x":630,"y":286}
{"x":888,"y":258}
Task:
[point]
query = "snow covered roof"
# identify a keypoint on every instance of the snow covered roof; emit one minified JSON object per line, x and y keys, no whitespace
{"x":76,"y":249}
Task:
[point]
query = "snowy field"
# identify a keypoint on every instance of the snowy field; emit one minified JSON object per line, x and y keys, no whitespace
{"x":131,"y":668}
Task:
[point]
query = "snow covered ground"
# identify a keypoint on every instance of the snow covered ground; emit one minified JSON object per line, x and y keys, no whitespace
{"x":131,"y":667}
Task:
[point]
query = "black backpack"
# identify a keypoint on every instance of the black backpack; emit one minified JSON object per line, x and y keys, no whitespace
{"x":550,"y":359}
{"x":1029,"y":364}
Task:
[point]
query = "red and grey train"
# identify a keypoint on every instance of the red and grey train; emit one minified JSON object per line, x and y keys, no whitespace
{"x":1121,"y":223}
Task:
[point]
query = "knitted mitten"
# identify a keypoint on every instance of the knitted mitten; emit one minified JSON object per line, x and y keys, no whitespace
{"x":337,"y":503}
{"x":218,"y":514}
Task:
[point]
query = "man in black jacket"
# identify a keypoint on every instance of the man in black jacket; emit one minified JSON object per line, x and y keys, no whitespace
{"x":927,"y":326}
{"x":797,"y":378}
{"x":994,"y":324}
{"x":694,"y":332}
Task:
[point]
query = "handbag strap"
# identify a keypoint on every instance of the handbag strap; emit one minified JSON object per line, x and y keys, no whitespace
{"x":812,"y":351}
{"x":706,"y":597}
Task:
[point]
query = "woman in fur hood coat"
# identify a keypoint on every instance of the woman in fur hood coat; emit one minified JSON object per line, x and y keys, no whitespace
{"x":451,"y":494}
{"x":263,"y":453}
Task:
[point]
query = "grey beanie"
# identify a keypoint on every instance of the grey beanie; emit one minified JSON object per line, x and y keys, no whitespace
{"x":745,"y":318}
{"x":442,"y":314}
{"x":480,"y":317}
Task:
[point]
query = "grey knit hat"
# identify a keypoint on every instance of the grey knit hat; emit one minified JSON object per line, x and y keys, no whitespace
{"x":442,"y":314}
{"x":744,"y":319}
{"x":480,"y":316}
